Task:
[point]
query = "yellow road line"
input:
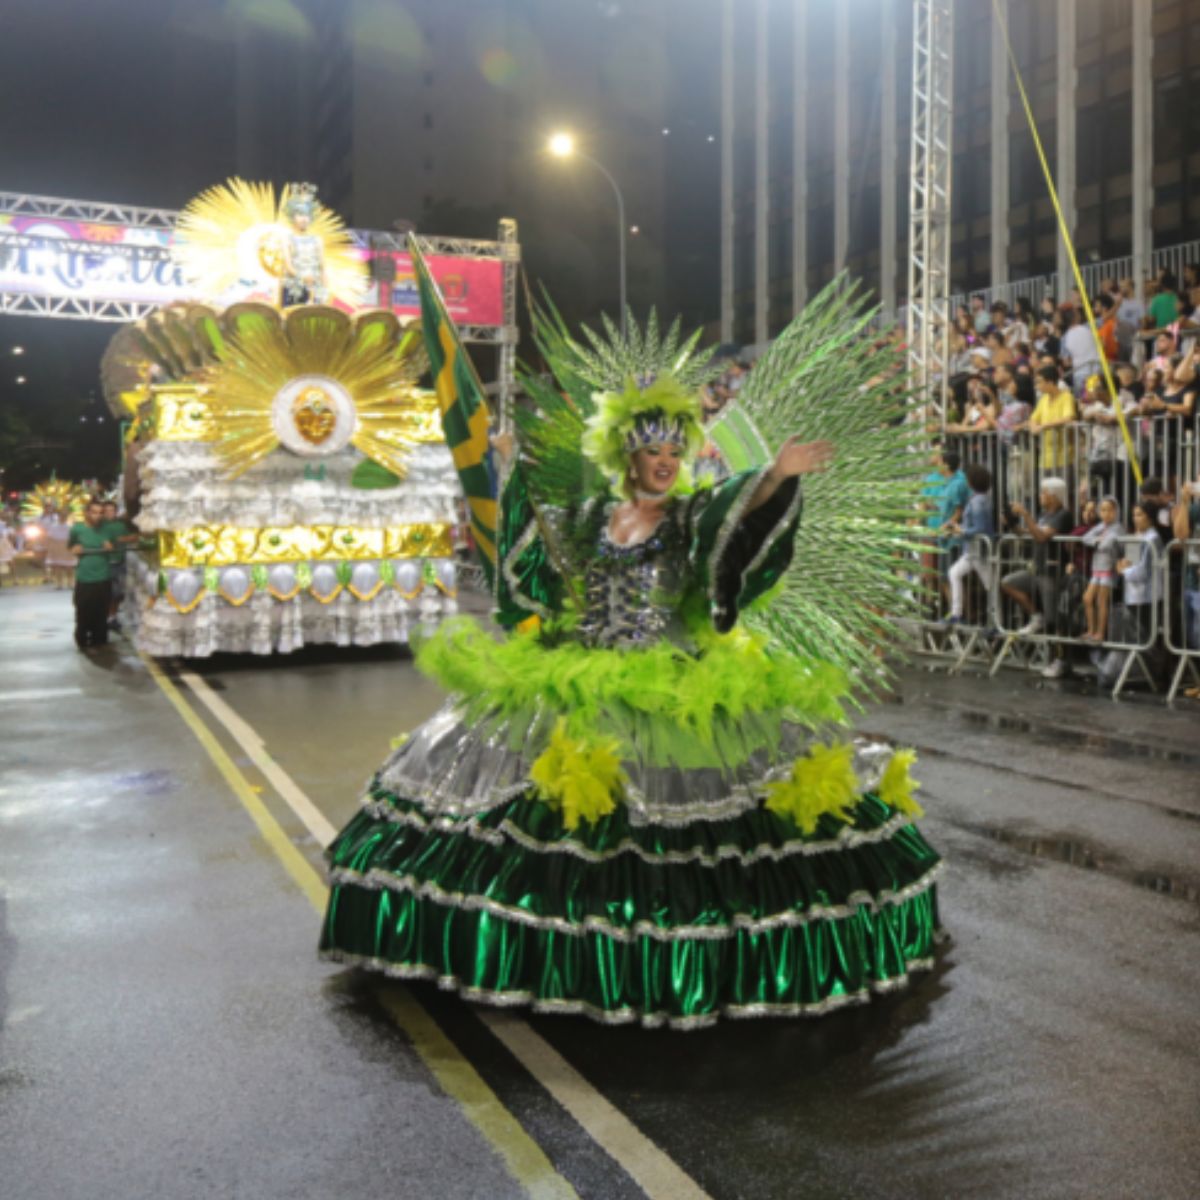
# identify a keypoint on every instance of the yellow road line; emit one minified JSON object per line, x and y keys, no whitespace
{"x":298,"y":867}
{"x":247,"y":737}
{"x":522,"y":1156}
{"x":658,"y":1174}
{"x":653,"y":1171}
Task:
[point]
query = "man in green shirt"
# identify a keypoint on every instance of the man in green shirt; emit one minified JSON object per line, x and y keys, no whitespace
{"x":1164,"y":307}
{"x":117,"y":530}
{"x":89,"y":542}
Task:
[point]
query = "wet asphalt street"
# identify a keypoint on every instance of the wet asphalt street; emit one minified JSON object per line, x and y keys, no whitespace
{"x":165,"y":1028}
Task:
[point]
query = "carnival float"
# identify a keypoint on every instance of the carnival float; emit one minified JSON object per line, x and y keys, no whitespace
{"x":54,"y":496}
{"x":288,"y":474}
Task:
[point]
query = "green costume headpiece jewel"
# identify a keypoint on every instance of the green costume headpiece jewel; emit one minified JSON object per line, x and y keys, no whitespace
{"x":652,"y":409}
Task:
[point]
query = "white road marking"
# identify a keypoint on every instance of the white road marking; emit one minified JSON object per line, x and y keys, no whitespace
{"x":38,"y":694}
{"x":658,"y":1175}
{"x":651,"y":1169}
{"x":244,"y":734}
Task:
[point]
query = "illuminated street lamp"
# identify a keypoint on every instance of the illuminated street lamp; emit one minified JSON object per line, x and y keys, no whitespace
{"x":18,"y":349}
{"x":562,"y":145}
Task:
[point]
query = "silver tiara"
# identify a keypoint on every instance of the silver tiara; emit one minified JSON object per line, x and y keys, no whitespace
{"x":655,"y":429}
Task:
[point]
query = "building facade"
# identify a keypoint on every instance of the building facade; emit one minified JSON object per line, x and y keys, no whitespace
{"x":437,"y":115}
{"x":815,"y":101}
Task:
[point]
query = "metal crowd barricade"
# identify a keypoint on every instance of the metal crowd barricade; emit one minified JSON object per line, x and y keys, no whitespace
{"x":1182,"y":635}
{"x":1087,"y":456}
{"x":1093,"y":463}
{"x":1059,"y":578}
{"x":930,"y":633}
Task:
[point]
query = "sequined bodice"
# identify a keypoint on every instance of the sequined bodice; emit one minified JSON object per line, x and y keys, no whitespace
{"x":633,"y":594}
{"x":307,"y":261}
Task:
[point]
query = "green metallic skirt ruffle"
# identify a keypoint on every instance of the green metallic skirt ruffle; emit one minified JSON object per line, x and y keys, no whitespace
{"x":623,"y":921}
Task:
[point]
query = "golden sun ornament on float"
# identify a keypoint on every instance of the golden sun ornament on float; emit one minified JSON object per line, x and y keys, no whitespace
{"x":314,"y":381}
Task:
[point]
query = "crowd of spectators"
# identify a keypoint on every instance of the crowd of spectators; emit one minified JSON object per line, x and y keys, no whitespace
{"x":1093,"y":583}
{"x":1034,"y":448}
{"x":1027,"y":394}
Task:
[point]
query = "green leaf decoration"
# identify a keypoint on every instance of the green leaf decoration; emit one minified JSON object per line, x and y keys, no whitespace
{"x":259,"y":574}
{"x":369,"y":475}
{"x":304,"y":575}
{"x":212,"y":578}
{"x":387,"y":572}
{"x":344,"y":571}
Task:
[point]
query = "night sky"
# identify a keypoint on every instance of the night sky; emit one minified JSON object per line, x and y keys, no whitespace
{"x":117,"y":100}
{"x":133,"y":101}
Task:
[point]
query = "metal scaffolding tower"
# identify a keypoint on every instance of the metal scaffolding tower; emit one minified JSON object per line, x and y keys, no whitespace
{"x":928,"y":325}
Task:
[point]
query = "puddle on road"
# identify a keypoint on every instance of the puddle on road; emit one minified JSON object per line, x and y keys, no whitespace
{"x":1048,"y":734}
{"x":1090,"y":857}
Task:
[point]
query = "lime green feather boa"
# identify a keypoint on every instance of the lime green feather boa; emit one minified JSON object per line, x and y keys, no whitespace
{"x":732,"y":676}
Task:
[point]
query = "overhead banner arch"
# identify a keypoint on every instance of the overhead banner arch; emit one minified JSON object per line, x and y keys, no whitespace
{"x":83,"y":260}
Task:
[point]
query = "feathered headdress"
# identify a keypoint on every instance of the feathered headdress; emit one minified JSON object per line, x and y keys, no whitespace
{"x":655,"y":409}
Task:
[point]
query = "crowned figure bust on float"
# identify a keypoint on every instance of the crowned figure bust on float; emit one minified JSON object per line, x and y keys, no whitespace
{"x":290,"y":478}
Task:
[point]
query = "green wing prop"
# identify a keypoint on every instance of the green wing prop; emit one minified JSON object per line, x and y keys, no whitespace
{"x":828,"y":376}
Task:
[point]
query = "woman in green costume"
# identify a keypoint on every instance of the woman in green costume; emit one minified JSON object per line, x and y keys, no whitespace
{"x":631,"y":807}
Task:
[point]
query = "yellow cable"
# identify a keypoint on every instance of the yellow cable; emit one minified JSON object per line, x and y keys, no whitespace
{"x":1066,"y":234}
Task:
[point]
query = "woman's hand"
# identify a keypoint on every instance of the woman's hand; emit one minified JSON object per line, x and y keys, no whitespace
{"x":505,"y":446}
{"x":794,"y":458}
{"x":802,"y":458}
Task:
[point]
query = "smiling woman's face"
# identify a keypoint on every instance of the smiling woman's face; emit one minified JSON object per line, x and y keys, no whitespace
{"x":655,"y":468}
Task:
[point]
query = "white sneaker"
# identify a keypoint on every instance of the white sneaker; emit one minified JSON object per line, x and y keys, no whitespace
{"x":1035,"y":624}
{"x":1056,"y":670}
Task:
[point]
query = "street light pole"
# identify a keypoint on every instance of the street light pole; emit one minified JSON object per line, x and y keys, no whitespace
{"x":620,"y":228}
{"x":562,"y":145}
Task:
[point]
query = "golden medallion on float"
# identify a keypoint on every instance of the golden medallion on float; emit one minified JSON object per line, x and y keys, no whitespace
{"x":313,"y":416}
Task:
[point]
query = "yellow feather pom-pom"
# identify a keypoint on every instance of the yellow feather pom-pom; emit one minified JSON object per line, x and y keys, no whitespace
{"x":897,"y":785}
{"x":821,"y":782}
{"x":579,"y":778}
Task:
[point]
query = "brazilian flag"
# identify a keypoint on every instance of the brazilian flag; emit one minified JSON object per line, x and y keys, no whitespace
{"x":464,"y":411}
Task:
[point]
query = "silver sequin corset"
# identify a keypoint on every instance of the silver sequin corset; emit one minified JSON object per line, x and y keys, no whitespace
{"x":633,"y":594}
{"x":308,"y":264}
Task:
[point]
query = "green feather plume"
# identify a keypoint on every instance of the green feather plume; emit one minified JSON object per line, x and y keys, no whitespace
{"x":829,"y":375}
